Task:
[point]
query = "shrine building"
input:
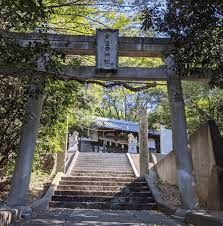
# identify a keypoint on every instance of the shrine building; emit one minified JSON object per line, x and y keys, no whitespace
{"x":111,"y":135}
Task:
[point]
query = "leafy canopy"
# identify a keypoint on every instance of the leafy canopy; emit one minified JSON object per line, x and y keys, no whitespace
{"x":196,"y":30}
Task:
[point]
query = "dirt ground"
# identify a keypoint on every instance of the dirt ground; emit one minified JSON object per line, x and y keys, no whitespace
{"x":38,"y":186}
{"x":170,"y":193}
{"x":84,"y":217}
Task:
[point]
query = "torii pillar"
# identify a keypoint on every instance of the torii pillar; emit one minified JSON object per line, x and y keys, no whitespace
{"x":185,"y":177}
{"x":24,"y":160}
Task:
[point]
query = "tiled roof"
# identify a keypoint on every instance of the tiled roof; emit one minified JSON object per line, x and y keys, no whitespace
{"x":116,"y":124}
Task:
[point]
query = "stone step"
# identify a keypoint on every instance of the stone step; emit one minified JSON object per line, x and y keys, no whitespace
{"x":103,"y":172}
{"x":102,"y":183}
{"x":86,"y":178}
{"x":107,"y":173}
{"x":95,"y":156}
{"x":82,"y":158}
{"x":99,"y":172}
{"x":98,"y":168}
{"x":101,"y":166}
{"x":105,"y":164}
{"x":102,"y":193}
{"x":67,"y":198}
{"x":93,"y":169}
{"x":118,"y":161}
{"x":125,"y":159}
{"x":106,"y":168}
{"x":102,"y":188}
{"x":102,"y":161}
{"x":102,"y":205}
{"x":98,"y":158}
{"x":107,"y":155}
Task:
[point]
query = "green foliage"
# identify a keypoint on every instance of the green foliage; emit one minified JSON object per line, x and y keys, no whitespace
{"x":202,"y":104}
{"x":140,"y":62}
{"x":12,"y":100}
{"x":124,"y":104}
{"x":62,"y":101}
{"x":21,"y":14}
{"x":196,"y":30}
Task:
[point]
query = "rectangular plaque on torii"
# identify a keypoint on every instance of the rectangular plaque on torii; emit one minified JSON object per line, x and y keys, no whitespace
{"x":107,"y":50}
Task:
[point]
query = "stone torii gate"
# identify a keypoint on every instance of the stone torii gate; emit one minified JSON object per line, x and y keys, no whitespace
{"x":107,"y":46}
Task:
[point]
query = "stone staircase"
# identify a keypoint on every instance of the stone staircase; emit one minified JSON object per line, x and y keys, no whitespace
{"x":102,"y":181}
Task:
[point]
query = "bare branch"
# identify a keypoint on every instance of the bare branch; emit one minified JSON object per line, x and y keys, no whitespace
{"x":118,"y":83}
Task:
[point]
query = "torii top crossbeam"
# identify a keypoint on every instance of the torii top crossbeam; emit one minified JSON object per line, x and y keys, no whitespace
{"x":87,"y":45}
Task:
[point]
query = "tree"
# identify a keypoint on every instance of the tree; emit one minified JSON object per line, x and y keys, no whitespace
{"x":202,"y":104}
{"x":61,"y":98}
{"x":124,"y":104}
{"x":196,"y":32}
{"x":21,"y":15}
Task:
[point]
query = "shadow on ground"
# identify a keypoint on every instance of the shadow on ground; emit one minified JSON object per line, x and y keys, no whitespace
{"x":68,"y":217}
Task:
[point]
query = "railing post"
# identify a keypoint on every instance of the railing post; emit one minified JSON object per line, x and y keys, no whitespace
{"x":61,"y":156}
{"x":143,"y":143}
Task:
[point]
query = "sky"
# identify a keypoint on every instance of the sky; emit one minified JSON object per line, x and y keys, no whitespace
{"x":130,"y":9}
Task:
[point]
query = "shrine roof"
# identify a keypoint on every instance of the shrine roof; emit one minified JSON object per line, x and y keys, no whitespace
{"x":122,"y":125}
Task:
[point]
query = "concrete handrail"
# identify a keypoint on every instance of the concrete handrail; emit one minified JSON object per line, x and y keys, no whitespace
{"x":68,"y":162}
{"x":164,"y":206}
{"x":43,"y":203}
{"x":72,"y":163}
{"x":132,"y":164}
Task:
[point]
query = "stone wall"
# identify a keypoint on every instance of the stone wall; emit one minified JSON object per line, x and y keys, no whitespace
{"x":207,"y":155}
{"x":203,"y":159}
{"x":166,"y":168}
{"x":206,"y":146}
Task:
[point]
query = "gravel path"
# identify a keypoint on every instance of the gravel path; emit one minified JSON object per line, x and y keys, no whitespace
{"x":68,"y":217}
